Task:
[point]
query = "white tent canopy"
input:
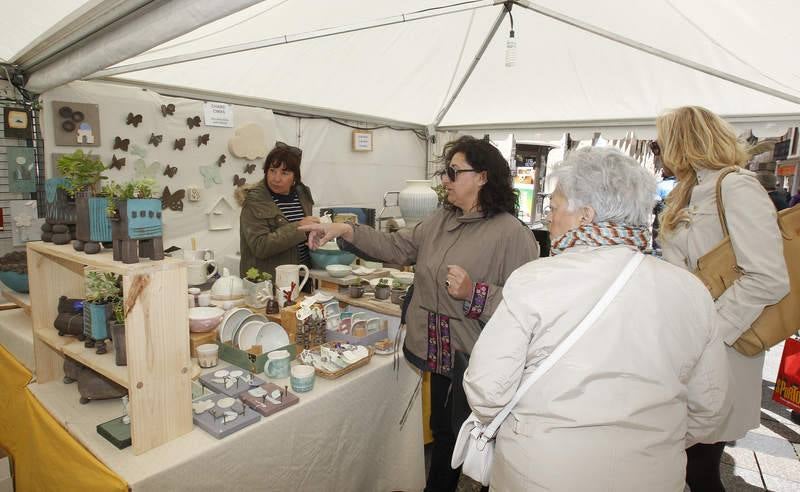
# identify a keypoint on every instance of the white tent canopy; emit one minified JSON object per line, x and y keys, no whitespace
{"x":723,"y":54}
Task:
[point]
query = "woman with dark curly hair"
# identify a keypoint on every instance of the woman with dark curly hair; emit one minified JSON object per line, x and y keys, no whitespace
{"x":463,"y":255}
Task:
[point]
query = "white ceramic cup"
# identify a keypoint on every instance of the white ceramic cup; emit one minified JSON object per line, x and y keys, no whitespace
{"x":278,"y":363}
{"x":302,"y":378}
{"x":207,"y":354}
{"x":204,"y":299}
{"x":197,"y":271}
{"x":288,"y":274}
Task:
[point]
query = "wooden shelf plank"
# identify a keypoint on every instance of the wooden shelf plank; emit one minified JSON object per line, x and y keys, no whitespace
{"x":54,"y":341}
{"x":104,"y":260}
{"x":102,"y":363}
{"x":20,"y":299}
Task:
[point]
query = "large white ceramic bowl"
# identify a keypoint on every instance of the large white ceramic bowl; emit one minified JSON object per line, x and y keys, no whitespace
{"x":272,"y":337}
{"x":339,"y":270}
{"x":405,"y":278}
{"x":202,"y":319}
{"x":231,"y":322}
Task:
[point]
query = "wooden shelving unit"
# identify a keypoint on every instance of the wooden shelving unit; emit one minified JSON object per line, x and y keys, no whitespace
{"x":158,"y":374}
{"x":19,"y":298}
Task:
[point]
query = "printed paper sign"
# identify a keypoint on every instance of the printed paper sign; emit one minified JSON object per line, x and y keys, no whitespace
{"x":218,"y":114}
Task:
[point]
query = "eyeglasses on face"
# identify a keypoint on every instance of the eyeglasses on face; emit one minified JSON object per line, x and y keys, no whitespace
{"x":655,"y":148}
{"x":292,"y":149}
{"x":452,"y":172}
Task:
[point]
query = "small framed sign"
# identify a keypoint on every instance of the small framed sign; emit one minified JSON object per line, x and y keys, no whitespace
{"x":362,"y":141}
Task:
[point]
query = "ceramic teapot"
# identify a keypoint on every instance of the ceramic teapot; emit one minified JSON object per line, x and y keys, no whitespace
{"x":227,"y":287}
{"x":286,"y":275}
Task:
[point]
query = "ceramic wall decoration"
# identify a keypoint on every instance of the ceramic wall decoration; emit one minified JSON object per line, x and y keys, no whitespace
{"x":155,"y":140}
{"x":239,"y":181}
{"x":167,"y":110}
{"x":76,"y":124}
{"x":211,"y":175}
{"x":17,"y":123}
{"x":137,"y":231}
{"x":221,"y":215}
{"x":193,"y":122}
{"x":417,"y":200}
{"x":179,"y":144}
{"x":133,"y":119}
{"x":170,"y":171}
{"x":139,"y":151}
{"x":173,"y":201}
{"x":21,"y":170}
{"x":193,"y":194}
{"x":121,"y":143}
{"x":27,"y":225}
{"x":203,"y":140}
{"x":144,"y":171}
{"x":249,"y":168}
{"x":93,"y":225}
{"x":221,"y":160}
{"x":69,"y":320}
{"x":117,"y":163}
{"x":60,"y":215}
{"x":248,"y":142}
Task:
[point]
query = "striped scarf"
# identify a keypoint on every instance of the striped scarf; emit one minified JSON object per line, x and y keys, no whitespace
{"x":602,"y":234}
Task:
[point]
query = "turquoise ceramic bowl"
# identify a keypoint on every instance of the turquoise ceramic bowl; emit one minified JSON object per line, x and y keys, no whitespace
{"x":320,"y":258}
{"x":15,"y":281}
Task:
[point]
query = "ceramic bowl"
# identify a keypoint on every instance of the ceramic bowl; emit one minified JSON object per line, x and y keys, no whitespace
{"x":17,"y":282}
{"x":230,"y":323}
{"x":371,"y":264}
{"x":203,"y":319}
{"x":339,"y":270}
{"x":330,"y":254}
{"x":405,"y":278}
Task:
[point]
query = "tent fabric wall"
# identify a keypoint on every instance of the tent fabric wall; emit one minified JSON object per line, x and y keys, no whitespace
{"x":336,"y":175}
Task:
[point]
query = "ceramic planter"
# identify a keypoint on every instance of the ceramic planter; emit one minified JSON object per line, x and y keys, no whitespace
{"x":118,"y":336}
{"x":95,"y":325}
{"x":137,"y":230}
{"x":93,"y":225}
{"x":257,"y":293}
{"x":382,"y":291}
{"x":60,"y":215}
{"x":397,"y":295}
{"x":356,"y":291}
{"x":417,"y":200}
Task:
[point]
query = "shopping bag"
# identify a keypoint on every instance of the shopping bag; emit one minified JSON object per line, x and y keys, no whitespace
{"x":787,"y":384}
{"x":474,"y":451}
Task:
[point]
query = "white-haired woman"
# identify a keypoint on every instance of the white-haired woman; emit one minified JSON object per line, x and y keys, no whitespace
{"x":697,"y":145}
{"x":648,"y":378}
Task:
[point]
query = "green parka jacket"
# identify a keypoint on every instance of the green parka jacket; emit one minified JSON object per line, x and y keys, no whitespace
{"x":267,"y":239}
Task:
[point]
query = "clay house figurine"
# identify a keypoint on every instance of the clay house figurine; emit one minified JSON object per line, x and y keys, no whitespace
{"x":221,"y":215}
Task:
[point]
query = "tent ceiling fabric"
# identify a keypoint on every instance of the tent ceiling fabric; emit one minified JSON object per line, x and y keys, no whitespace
{"x":407,"y":71}
{"x":28,"y":21}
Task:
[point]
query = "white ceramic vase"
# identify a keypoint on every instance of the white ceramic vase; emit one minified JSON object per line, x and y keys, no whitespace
{"x":417,"y":200}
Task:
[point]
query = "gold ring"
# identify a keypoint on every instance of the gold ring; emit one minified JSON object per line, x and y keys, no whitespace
{"x":447,"y":283}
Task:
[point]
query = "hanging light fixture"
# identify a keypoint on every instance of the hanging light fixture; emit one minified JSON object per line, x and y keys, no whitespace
{"x":511,"y":42}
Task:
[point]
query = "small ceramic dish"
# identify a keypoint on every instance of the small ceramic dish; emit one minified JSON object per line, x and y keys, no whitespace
{"x":272,"y":337}
{"x":231,"y":321}
{"x":246,"y":336}
{"x":202,"y":319}
{"x":338,"y":271}
{"x":249,"y":318}
{"x":363,"y":270}
{"x":405,"y":278}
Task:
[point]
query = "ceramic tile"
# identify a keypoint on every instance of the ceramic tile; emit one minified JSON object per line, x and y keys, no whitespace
{"x":737,"y":479}
{"x":786,"y":468}
{"x":773,"y":446}
{"x":775,"y":484}
{"x":741,"y":457}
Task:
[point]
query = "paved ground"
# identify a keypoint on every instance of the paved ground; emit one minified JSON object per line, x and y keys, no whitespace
{"x":768,"y":458}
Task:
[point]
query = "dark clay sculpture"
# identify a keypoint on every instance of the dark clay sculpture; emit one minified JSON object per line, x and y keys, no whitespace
{"x":69,"y":320}
{"x":91,"y":385}
{"x":60,"y":216}
{"x":137,"y":230}
{"x":92,"y":225}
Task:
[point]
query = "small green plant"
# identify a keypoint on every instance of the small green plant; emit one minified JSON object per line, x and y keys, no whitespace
{"x":119,"y":310}
{"x":103,"y":287}
{"x":82,"y":171}
{"x":138,"y":188}
{"x":385,"y":282}
{"x":397,"y":285}
{"x":254,"y":275}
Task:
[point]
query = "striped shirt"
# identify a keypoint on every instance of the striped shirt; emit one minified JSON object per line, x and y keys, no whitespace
{"x":293,"y":212}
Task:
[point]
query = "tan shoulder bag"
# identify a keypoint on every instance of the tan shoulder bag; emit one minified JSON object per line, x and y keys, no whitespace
{"x":718,"y":270}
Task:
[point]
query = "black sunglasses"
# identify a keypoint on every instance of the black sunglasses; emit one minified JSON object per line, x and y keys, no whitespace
{"x":452,"y":173}
{"x":292,"y":149}
{"x":655,"y":148}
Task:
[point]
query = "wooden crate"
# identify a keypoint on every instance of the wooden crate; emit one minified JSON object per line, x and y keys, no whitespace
{"x":196,"y":339}
{"x":158,"y":374}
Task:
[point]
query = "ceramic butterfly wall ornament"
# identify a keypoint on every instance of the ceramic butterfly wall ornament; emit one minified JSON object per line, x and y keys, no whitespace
{"x":237,"y":181}
{"x":117,"y":163}
{"x":133,"y":120}
{"x":211,"y":175}
{"x":121,"y":143}
{"x":193,"y":122}
{"x":155,"y":139}
{"x":203,"y":139}
{"x":170,"y":171}
{"x":140,"y":151}
{"x":221,"y":160}
{"x":173,"y":201}
{"x":167,"y":110}
{"x":179,"y":144}
{"x":143,"y":171}
{"x":249,"y":168}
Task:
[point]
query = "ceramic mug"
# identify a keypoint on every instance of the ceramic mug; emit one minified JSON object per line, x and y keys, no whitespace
{"x":198,"y":255}
{"x":207,"y":354}
{"x":359,"y":328}
{"x":373,"y":325}
{"x":281,"y":293}
{"x":302,"y":378}
{"x":278,"y":363}
{"x":289,"y":274}
{"x":197,"y":271}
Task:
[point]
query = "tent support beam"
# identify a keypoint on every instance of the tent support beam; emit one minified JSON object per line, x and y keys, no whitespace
{"x":598,"y":31}
{"x":300,"y":110}
{"x":278,"y":41}
{"x":468,"y":74}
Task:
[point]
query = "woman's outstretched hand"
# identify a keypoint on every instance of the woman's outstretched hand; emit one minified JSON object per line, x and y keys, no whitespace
{"x":319,"y":234}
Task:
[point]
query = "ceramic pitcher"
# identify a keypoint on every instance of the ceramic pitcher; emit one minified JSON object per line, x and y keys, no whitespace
{"x":288,"y":274}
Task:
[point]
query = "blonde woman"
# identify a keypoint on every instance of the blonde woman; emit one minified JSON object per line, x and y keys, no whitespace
{"x":696,"y":145}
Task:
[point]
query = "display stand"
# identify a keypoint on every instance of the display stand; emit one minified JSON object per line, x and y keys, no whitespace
{"x":158,"y":376}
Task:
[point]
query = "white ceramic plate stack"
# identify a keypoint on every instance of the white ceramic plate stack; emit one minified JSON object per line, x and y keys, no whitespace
{"x":243,"y":329}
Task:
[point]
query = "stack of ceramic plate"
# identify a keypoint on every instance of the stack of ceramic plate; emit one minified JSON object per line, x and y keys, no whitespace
{"x":243,"y":329}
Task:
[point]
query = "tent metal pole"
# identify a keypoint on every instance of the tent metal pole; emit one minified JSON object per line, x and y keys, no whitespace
{"x":278,"y":40}
{"x":440,"y":116}
{"x":584,"y":26}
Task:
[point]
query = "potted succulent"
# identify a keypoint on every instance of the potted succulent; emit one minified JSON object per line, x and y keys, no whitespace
{"x":383,"y":288}
{"x":398,"y":291}
{"x":118,"y":331}
{"x":102,"y":291}
{"x":14,"y":271}
{"x":257,"y":287}
{"x":356,"y":289}
{"x":136,"y":227}
{"x":82,"y":175}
